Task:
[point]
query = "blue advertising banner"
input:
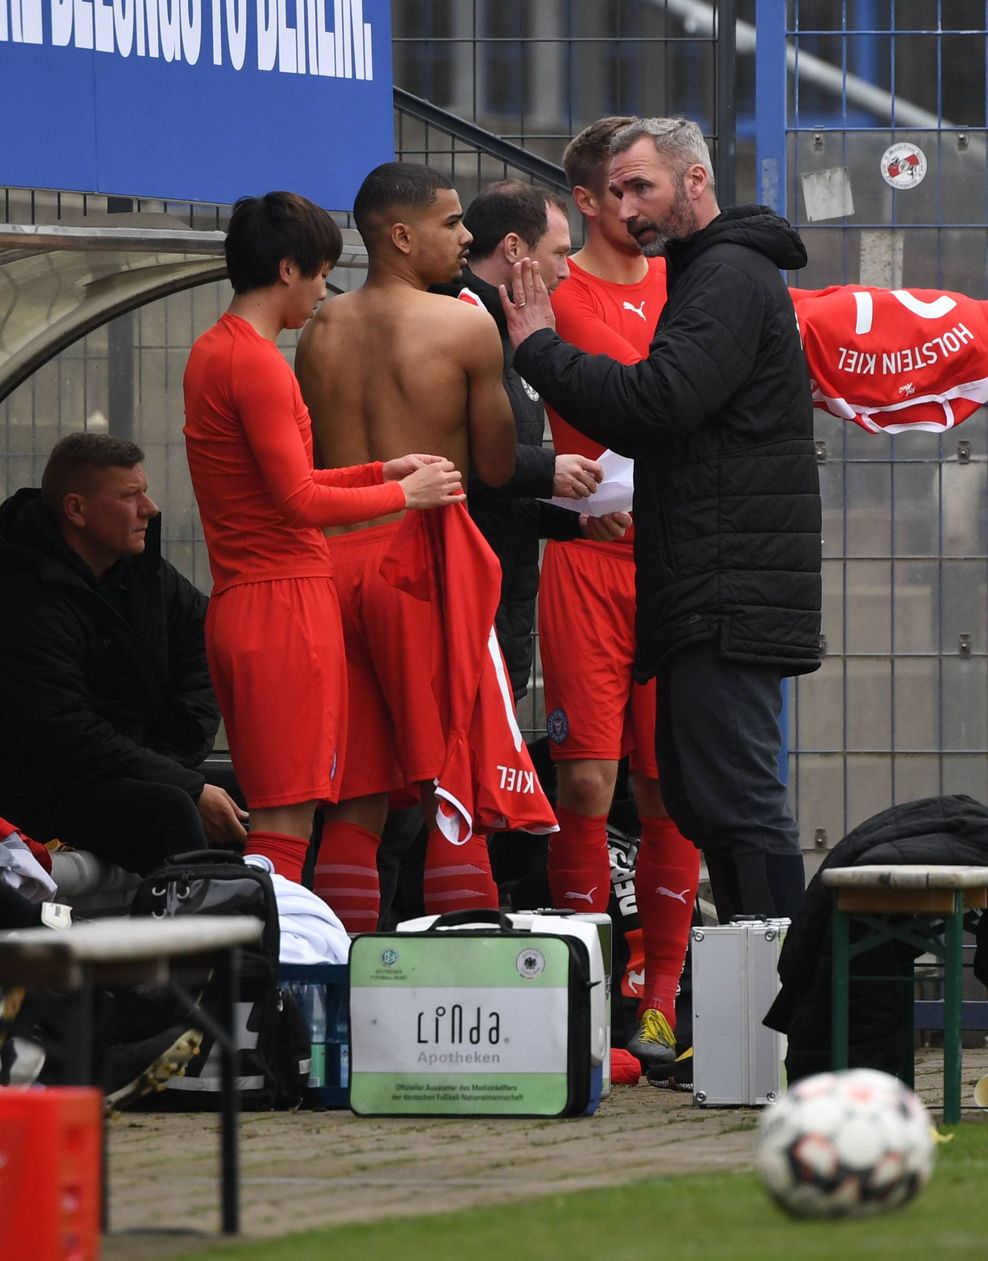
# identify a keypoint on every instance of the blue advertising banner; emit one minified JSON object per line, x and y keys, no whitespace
{"x":195,"y":100}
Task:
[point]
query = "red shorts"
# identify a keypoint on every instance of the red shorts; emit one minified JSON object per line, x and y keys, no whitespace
{"x":594,"y":707}
{"x":275,"y":652}
{"x":396,"y":728}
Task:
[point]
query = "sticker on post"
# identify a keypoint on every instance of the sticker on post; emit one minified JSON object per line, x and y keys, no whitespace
{"x":903,"y":165}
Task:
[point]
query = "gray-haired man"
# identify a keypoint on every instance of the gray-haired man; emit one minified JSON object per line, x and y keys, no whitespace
{"x":727,"y":505}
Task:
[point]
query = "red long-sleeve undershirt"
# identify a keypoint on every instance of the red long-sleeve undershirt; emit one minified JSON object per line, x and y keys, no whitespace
{"x":249,"y":444}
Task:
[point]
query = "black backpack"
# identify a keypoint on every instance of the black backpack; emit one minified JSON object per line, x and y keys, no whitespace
{"x":274,"y":1049}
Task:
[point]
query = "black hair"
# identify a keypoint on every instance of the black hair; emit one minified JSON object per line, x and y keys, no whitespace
{"x":394,"y":186}
{"x":265,"y":230}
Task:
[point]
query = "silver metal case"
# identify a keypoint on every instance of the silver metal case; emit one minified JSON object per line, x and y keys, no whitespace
{"x":736,"y":1059}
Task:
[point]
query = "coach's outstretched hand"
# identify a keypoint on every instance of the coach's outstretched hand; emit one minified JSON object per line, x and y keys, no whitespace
{"x":432,"y":485}
{"x":528,"y":309}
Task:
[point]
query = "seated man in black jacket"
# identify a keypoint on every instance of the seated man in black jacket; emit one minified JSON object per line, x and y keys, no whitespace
{"x":106,"y":708}
{"x":511,"y":220}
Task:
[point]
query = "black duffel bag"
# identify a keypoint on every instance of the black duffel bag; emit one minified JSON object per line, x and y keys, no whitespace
{"x":273,"y":1048}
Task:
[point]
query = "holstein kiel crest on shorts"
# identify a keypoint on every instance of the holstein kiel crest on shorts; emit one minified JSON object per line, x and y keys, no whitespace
{"x":557,"y":726}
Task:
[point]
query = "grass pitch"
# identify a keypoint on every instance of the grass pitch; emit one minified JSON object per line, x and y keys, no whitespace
{"x":700,"y":1217}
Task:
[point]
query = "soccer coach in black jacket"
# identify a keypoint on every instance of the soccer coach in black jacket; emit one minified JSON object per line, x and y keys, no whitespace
{"x":106,"y":707}
{"x":727,"y":502}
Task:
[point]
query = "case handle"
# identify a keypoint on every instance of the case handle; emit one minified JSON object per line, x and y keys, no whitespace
{"x":483,"y":915}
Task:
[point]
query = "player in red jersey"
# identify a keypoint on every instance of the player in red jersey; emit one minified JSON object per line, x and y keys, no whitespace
{"x":596,"y":712}
{"x":273,"y":635}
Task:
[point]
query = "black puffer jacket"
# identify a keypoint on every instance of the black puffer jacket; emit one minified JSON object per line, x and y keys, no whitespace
{"x":96,"y":678}
{"x":950,"y":830}
{"x":720,"y":423}
{"x":511,"y":517}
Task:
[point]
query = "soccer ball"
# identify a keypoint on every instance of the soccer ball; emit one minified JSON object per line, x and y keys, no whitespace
{"x":844,"y":1145}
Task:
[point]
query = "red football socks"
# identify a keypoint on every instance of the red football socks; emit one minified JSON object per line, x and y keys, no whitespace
{"x":667,"y":875}
{"x":579,"y":862}
{"x":287,"y":853}
{"x":457,"y":877}
{"x":345,"y":876}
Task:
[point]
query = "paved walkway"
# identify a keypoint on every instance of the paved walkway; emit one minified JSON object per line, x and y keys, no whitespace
{"x":310,"y":1169}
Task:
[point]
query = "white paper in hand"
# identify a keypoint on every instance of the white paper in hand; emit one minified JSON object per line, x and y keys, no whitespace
{"x":614,"y":493}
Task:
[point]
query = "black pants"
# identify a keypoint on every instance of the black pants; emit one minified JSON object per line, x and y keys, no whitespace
{"x":134,"y":824}
{"x":717,"y":741}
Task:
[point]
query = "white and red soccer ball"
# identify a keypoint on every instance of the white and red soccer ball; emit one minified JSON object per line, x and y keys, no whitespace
{"x":844,"y":1144}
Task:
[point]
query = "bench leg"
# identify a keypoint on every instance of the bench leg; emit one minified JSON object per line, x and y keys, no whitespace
{"x":80,"y":1025}
{"x":840,"y":987}
{"x":907,"y":1047}
{"x":952,"y":993}
{"x":228,"y":970}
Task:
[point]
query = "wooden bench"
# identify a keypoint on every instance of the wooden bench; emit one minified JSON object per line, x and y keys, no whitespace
{"x":906,"y":903}
{"x":125,"y":951}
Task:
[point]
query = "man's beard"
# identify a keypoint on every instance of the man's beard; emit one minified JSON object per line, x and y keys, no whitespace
{"x":679,"y":222}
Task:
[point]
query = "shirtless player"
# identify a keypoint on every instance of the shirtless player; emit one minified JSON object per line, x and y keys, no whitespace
{"x":381,"y":367}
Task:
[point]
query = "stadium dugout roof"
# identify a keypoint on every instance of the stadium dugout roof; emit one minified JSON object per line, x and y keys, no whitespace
{"x":59,"y":282}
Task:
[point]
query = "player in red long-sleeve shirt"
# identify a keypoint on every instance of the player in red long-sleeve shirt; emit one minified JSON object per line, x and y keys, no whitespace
{"x":273,"y":634}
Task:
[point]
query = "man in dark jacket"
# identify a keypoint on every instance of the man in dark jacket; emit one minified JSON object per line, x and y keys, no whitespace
{"x":106,"y":708}
{"x":509,"y":221}
{"x":727,"y":504}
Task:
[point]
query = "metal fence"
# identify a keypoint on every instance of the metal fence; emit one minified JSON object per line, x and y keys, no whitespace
{"x":535,"y":72}
{"x":899,"y":709}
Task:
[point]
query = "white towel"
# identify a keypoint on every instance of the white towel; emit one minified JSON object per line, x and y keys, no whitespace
{"x":311,"y":931}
